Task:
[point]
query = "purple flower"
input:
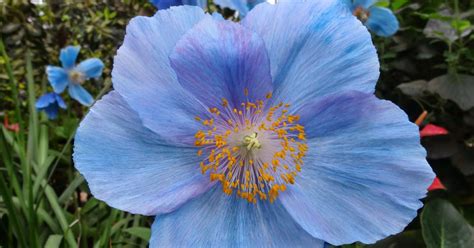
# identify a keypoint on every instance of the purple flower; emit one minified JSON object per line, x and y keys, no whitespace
{"x":264,"y":133}
{"x":72,"y":76}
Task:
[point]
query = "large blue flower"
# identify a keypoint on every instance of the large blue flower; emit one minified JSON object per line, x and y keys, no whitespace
{"x":72,"y":76}
{"x":164,"y":4}
{"x":379,"y":20}
{"x":50,"y":104}
{"x":243,"y":6}
{"x":259,"y":134}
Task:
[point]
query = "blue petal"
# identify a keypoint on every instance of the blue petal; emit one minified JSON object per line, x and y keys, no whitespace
{"x":242,"y":6}
{"x":58,"y":78}
{"x":316,"y":48}
{"x":217,"y":220}
{"x":364,"y":173}
{"x":68,"y":56}
{"x":164,"y":4}
{"x":142,"y":74}
{"x":60,"y":101}
{"x":221,"y":59}
{"x":45,"y":100}
{"x":364,"y":3}
{"x":80,"y":94}
{"x":92,"y":68}
{"x":52,"y":111}
{"x":128,"y":166}
{"x":382,"y":22}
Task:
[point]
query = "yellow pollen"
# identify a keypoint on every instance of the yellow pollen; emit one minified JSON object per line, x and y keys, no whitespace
{"x":252,"y":149}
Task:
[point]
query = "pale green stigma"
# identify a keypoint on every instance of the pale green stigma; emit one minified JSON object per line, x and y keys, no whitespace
{"x":251,"y":141}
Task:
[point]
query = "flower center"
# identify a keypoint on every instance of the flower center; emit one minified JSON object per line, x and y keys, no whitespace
{"x":254,"y":149}
{"x":77,"y":77}
{"x":361,"y":14}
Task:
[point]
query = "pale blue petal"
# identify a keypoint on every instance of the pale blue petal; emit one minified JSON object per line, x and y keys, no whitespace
{"x":129,"y":167}
{"x":68,"y":56}
{"x":57,"y":77}
{"x":364,"y":173}
{"x":92,"y":68}
{"x":242,"y":6}
{"x":221,"y":59}
{"x":316,"y":48}
{"x":80,"y":94}
{"x":364,"y":3}
{"x":382,"y":22}
{"x":142,"y":74}
{"x":217,"y":220}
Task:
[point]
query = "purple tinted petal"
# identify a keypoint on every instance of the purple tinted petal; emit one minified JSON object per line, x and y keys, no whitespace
{"x":221,"y":59}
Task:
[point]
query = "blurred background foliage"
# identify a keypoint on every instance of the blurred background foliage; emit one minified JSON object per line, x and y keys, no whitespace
{"x":427,"y":69}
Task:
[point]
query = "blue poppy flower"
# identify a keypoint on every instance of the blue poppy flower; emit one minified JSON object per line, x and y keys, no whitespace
{"x":264,"y":133}
{"x":379,"y":20}
{"x":242,"y":6}
{"x":50,"y":104}
{"x":164,"y":4}
{"x":72,"y":76}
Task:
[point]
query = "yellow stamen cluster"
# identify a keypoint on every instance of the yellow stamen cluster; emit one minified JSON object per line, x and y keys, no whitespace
{"x":361,"y":14}
{"x":252,"y":149}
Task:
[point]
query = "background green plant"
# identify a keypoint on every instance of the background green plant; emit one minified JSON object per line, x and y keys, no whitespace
{"x":427,"y":66}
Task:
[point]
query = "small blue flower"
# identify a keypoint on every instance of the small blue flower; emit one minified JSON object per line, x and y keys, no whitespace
{"x":164,"y":4}
{"x":379,"y":20}
{"x":50,"y":104}
{"x":242,"y":6}
{"x":72,"y":76}
{"x":263,"y":133}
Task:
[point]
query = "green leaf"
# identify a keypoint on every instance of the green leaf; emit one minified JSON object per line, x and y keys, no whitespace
{"x":397,"y":4}
{"x":444,"y":227}
{"x":457,"y":88}
{"x":53,"y":241}
{"x":140,"y":232}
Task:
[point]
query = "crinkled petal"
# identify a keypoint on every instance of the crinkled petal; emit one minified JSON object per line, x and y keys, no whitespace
{"x":128,"y":167}
{"x":364,"y":173}
{"x":364,"y":3}
{"x":80,"y":94}
{"x":143,"y":76}
{"x":45,"y":100}
{"x":92,"y":68}
{"x":68,"y":56}
{"x":58,"y":78}
{"x":316,"y":48}
{"x":217,"y":220}
{"x":382,"y":22}
{"x":242,"y":6}
{"x":222,"y":59}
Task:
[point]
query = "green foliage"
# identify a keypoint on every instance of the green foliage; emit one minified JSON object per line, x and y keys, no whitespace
{"x":427,"y":66}
{"x":444,"y":226}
